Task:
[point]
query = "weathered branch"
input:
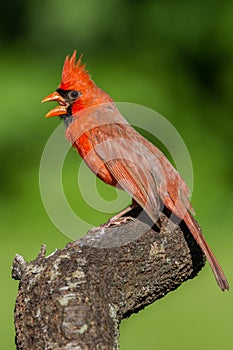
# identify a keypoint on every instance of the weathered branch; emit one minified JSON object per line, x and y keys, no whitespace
{"x":76,"y":297}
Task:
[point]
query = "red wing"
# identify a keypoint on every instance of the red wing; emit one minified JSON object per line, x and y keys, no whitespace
{"x":130,"y":171}
{"x":139,"y":167}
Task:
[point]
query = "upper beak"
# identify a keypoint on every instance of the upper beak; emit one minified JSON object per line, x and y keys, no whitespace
{"x":59,"y":110}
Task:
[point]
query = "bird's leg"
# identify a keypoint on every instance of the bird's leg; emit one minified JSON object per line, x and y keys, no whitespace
{"x":117,"y":219}
{"x":120,"y":218}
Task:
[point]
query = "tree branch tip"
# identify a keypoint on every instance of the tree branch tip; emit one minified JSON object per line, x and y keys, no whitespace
{"x":42,"y":251}
{"x":19,"y":265}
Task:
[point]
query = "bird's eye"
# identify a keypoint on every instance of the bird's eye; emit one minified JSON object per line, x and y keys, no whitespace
{"x":73,"y":94}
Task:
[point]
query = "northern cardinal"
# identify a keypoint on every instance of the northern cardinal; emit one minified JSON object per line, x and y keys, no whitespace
{"x":119,"y":155}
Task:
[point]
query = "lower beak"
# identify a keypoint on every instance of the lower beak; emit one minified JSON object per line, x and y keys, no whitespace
{"x":59,"y":110}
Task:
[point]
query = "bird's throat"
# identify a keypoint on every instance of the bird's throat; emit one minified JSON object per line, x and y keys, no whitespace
{"x":67,"y":119}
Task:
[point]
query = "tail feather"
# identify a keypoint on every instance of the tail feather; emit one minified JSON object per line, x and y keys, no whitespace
{"x":197,"y":234}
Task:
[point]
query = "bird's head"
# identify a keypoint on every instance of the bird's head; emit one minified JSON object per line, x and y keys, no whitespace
{"x":76,"y":91}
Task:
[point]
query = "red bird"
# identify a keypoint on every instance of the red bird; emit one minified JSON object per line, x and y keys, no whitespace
{"x":119,"y":155}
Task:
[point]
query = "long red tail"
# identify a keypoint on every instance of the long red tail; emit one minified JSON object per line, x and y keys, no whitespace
{"x":197,"y":234}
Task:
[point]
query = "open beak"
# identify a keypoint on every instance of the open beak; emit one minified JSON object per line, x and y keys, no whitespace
{"x":59,"y":110}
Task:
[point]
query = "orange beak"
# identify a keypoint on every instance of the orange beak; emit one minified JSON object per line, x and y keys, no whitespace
{"x":59,"y":110}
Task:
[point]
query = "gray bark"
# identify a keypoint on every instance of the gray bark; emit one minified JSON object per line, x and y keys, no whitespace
{"x":77,"y":297}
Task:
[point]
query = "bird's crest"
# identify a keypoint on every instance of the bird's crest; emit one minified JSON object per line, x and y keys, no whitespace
{"x":74,"y":74}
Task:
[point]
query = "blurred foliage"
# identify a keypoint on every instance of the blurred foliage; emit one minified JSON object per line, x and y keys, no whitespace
{"x":175,"y":57}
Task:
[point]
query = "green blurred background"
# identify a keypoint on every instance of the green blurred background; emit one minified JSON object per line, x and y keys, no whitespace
{"x":175,"y":57}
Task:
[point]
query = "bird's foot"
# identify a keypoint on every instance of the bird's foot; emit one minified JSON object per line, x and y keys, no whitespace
{"x":114,"y":221}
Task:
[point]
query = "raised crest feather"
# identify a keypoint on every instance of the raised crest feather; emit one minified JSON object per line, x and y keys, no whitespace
{"x":74,"y":74}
